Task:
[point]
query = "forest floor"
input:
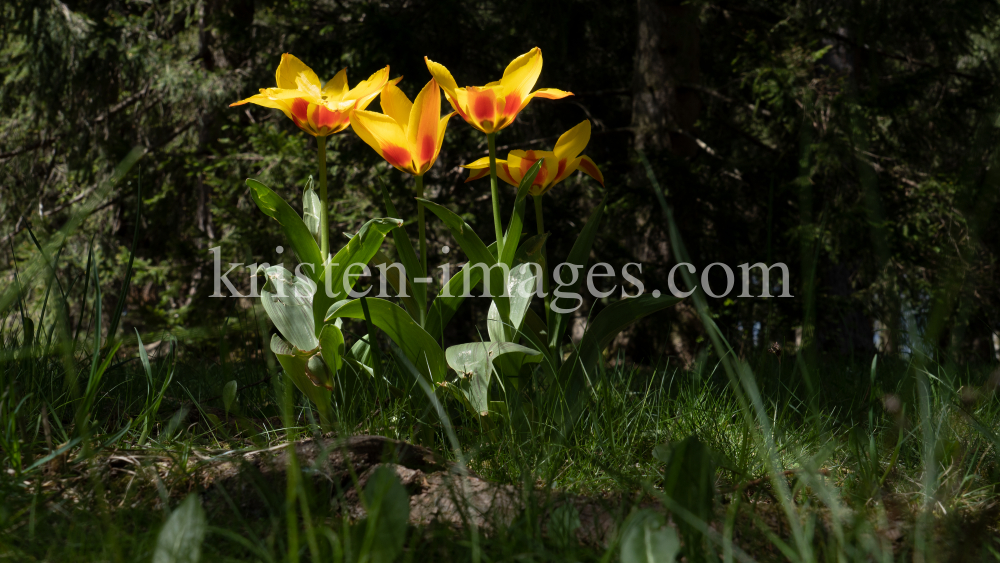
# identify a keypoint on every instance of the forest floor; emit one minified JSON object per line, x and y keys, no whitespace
{"x":845,"y":475}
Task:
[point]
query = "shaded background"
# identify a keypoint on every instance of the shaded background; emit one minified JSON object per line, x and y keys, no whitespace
{"x":857,"y":143}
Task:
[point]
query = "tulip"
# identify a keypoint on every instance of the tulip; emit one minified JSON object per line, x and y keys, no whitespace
{"x":408,"y":135}
{"x":494,"y":106}
{"x":557,"y":165}
{"x":319,"y":110}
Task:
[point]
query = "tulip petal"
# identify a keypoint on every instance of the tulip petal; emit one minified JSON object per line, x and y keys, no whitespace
{"x":300,"y":109}
{"x":422,"y":129}
{"x":482,"y":104}
{"x":336,"y":87}
{"x":383,"y":134}
{"x":520,"y":77}
{"x":480,"y":164}
{"x":564,"y":168}
{"x":442,"y":127}
{"x":572,"y":142}
{"x":590,"y":169}
{"x":328,"y":120}
{"x":547,"y":93}
{"x":443,"y":77}
{"x":261,"y":99}
{"x":513,"y":165}
{"x":396,"y":105}
{"x":477,"y":174}
{"x":504,"y":173}
{"x":366,"y":90}
{"x":293,"y":74}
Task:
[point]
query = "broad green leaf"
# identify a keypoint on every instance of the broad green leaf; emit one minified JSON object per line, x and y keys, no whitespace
{"x":513,"y":235}
{"x":397,"y":280}
{"x":579,"y":255}
{"x":583,"y":362}
{"x":298,"y":234}
{"x":229,"y":395}
{"x":474,"y":248}
{"x":523,"y":283}
{"x":294,"y":363}
{"x":359,"y":250}
{"x":361,"y":352}
{"x":404,"y":248}
{"x":647,"y":539}
{"x":388,"y":507}
{"x":447,"y":302}
{"x":181,"y":537}
{"x":332,"y":346}
{"x":474,"y":363}
{"x":495,"y":326}
{"x":288,"y":301}
{"x":419,"y":347}
{"x":310,"y":212}
{"x":525,"y":280}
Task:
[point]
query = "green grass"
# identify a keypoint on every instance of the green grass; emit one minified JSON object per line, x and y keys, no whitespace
{"x":882,"y":462}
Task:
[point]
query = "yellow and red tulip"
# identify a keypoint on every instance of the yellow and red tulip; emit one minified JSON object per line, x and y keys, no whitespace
{"x":317,"y":109}
{"x":557,"y":165}
{"x":494,"y":106}
{"x":408,"y":135}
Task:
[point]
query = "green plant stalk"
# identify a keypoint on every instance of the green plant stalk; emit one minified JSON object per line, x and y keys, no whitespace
{"x":492,"y":140}
{"x":540,"y":223}
{"x":421,"y":225}
{"x":324,"y":219}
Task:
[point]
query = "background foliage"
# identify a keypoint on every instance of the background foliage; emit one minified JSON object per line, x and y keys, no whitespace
{"x":854,"y":141}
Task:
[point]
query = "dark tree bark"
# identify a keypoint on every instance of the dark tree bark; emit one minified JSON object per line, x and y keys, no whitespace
{"x":664,"y":106}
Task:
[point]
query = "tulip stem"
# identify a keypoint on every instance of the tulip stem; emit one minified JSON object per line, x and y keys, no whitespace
{"x":420,"y":225}
{"x":324,"y":220}
{"x":540,"y":223}
{"x":492,"y":139}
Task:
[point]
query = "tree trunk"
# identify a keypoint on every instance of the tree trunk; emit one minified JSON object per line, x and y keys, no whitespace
{"x":664,"y":105}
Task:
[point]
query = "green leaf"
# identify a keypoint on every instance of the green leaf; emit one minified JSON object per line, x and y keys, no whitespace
{"x":294,"y":363}
{"x":401,"y":284}
{"x":298,"y":234}
{"x":584,"y":361}
{"x":513,"y":235}
{"x":419,"y":347}
{"x":450,"y":298}
{"x":359,"y":250}
{"x":361,"y":352}
{"x":522,"y":285}
{"x":332,"y":346}
{"x":388,"y":506}
{"x":647,"y":539}
{"x":310,"y":212}
{"x":474,"y":364}
{"x":474,"y":248}
{"x":288,"y":301}
{"x":229,"y":395}
{"x":525,"y":280}
{"x":181,"y":537}
{"x":579,"y":255}
{"x":404,"y":248}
